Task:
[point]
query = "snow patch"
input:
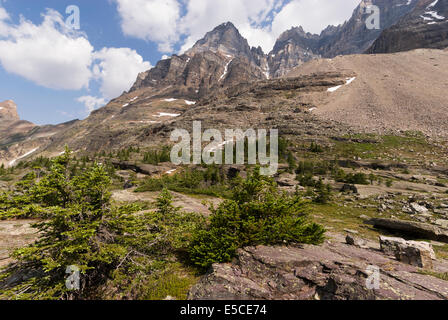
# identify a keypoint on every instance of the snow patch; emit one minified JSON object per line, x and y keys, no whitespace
{"x":220,"y":146}
{"x":190,"y":103}
{"x":226,"y":70}
{"x":170,"y":100}
{"x":347,"y":82}
{"x":164,"y":114}
{"x":433,"y":14}
{"x":333,"y":89}
{"x":21,"y":157}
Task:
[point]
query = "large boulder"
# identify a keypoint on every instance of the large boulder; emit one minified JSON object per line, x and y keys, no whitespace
{"x":411,"y":228}
{"x":287,"y":180}
{"x":355,"y":241}
{"x":416,"y":253}
{"x":416,"y":208}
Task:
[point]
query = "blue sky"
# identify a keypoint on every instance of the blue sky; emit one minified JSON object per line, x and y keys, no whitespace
{"x":56,"y":75}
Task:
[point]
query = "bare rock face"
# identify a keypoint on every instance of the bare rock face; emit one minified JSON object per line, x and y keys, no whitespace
{"x":416,"y":253}
{"x":8,"y":111}
{"x":226,"y":39}
{"x":295,"y":46}
{"x":426,"y":26}
{"x":222,"y":58}
{"x":334,"y":271}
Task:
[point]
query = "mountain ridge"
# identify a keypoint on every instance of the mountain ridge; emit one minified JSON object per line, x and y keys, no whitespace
{"x":426,"y":26}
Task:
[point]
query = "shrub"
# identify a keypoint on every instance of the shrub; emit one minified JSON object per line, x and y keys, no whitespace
{"x":210,"y":180}
{"x":357,"y":178}
{"x":315,"y":148}
{"x":258,"y":213}
{"x":323,"y":193}
{"x":155,"y":157}
{"x":83,"y":229}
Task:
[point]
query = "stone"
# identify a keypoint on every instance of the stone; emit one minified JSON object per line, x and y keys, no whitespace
{"x":346,"y":188}
{"x":128,"y":184}
{"x":287,"y":180}
{"x":442,"y":222}
{"x":411,"y":228}
{"x":332,"y":271}
{"x":419,"y":254}
{"x":355,"y":241}
{"x":416,"y":208}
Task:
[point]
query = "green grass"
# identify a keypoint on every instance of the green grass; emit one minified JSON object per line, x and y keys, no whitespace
{"x":174,"y":282}
{"x":370,"y":146}
{"x":338,"y":218}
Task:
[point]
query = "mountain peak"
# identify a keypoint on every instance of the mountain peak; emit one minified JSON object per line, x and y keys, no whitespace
{"x":225,"y":39}
{"x":8,"y":110}
{"x":226,"y":25}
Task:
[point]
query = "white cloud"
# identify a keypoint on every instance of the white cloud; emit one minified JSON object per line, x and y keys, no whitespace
{"x":153,"y":20}
{"x":313,"y":15}
{"x":3,"y":17}
{"x":260,"y":21}
{"x":247,"y":15}
{"x":3,"y":14}
{"x":117,"y":70}
{"x":47,"y":54}
{"x":91,"y":103}
{"x":53,"y":56}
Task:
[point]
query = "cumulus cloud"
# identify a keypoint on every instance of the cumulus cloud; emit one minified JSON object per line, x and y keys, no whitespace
{"x":47,"y":54}
{"x":313,"y":15}
{"x":154,"y":20}
{"x":117,"y":69}
{"x":260,"y":21}
{"x":3,"y":14}
{"x":249,"y":16}
{"x":91,"y":102}
{"x":53,"y":56}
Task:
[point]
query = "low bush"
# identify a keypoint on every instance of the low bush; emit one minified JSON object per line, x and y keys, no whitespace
{"x":108,"y":244}
{"x":258,"y":213}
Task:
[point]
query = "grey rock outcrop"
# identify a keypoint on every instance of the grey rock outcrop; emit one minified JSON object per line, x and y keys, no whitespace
{"x":8,"y":111}
{"x":334,"y":271}
{"x":416,"y":253}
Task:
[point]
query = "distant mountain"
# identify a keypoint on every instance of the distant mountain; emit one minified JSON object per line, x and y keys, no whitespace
{"x":295,"y":46}
{"x":221,"y":80}
{"x":426,"y":26}
{"x":222,"y":58}
{"x":11,"y":127}
{"x":8,"y":111}
{"x":20,"y":138}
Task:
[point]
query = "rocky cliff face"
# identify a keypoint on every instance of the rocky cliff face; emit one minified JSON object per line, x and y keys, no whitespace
{"x":222,"y":58}
{"x":295,"y":46}
{"x":20,"y":138}
{"x":426,"y":26}
{"x":8,"y":111}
